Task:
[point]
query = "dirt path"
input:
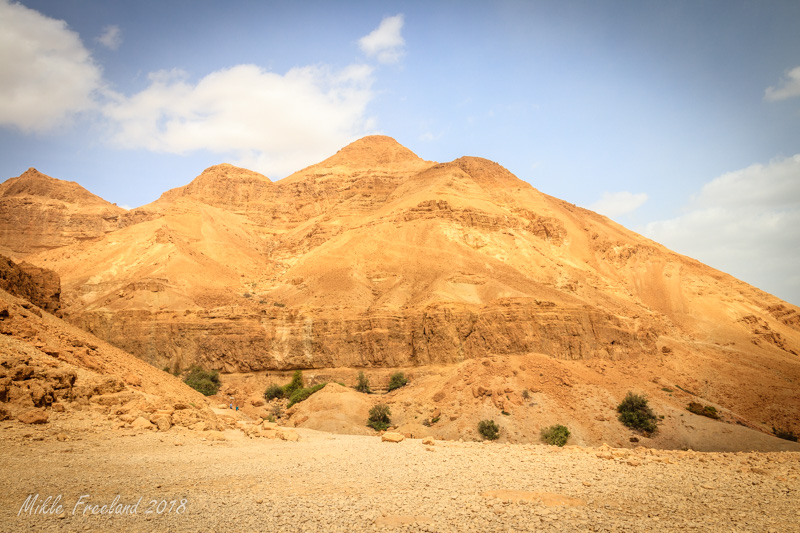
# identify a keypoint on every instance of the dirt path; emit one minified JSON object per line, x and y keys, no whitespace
{"x":347,"y":483}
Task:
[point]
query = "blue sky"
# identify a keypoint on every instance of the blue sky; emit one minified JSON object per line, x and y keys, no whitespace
{"x":680,"y":120}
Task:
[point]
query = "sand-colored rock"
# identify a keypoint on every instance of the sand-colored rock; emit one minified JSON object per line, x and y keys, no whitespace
{"x":48,"y":366}
{"x":39,"y":286}
{"x":142,"y":423}
{"x":391,"y":436}
{"x":34,"y":416}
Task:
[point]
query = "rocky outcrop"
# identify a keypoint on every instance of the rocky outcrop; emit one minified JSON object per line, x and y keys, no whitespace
{"x":39,"y":286}
{"x":48,"y":368}
{"x":38,"y":213}
{"x":279,"y":338}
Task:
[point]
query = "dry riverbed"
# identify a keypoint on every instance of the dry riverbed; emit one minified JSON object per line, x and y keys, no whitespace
{"x":185,"y":481}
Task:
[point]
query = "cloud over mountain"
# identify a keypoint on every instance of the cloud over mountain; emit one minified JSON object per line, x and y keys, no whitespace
{"x":269,"y":122}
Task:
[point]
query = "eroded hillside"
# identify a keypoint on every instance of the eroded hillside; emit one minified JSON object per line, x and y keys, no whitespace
{"x":377,"y":258}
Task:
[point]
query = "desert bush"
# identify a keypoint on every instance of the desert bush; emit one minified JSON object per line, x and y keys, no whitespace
{"x":525,"y":394}
{"x":296,"y":384}
{"x":556,"y":435}
{"x":397,"y":380}
{"x":488,"y":429}
{"x":301,"y":394}
{"x":204,"y":382}
{"x":379,"y":417}
{"x":635,"y":413}
{"x":703,"y":410}
{"x":273,"y":391}
{"x":785,"y":434}
{"x":363,"y":384}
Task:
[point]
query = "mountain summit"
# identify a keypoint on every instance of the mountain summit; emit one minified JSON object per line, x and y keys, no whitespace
{"x":38,"y":212}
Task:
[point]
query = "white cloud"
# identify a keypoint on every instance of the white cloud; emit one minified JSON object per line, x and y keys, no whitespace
{"x":111,"y":37}
{"x":46,"y":74}
{"x":268,"y":122}
{"x":614,"y":204}
{"x":385,"y":41}
{"x":789,"y":87}
{"x":746,"y":223}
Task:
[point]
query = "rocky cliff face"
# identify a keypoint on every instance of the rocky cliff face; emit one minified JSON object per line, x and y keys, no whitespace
{"x":39,"y":286}
{"x":243,"y":340}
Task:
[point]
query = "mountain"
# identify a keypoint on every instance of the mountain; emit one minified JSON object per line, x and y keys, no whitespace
{"x":375,"y":258}
{"x":38,"y":213}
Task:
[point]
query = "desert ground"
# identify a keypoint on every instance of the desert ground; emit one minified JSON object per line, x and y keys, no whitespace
{"x":225,"y":481}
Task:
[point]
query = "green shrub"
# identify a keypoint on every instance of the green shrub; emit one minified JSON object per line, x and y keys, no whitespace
{"x":295,"y":384}
{"x":636,"y":414}
{"x":667,"y":389}
{"x":785,"y":434}
{"x":703,"y":410}
{"x":206,"y":383}
{"x":397,"y":380}
{"x":379,"y":417}
{"x":301,"y":394}
{"x":273,"y":391}
{"x":488,"y":429}
{"x":555,"y":435}
{"x":363,"y":384}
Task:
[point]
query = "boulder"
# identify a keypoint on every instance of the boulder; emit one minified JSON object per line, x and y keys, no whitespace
{"x":34,"y":416}
{"x":162,"y":422}
{"x":391,"y":436}
{"x":142,"y":423}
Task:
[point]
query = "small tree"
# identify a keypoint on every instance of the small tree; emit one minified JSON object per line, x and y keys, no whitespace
{"x":206,"y":383}
{"x":489,"y":429}
{"x":636,"y":414}
{"x":397,"y":380}
{"x":273,"y":391}
{"x":295,"y":384}
{"x":379,"y":417}
{"x":302,"y":394}
{"x":363,"y":383}
{"x":703,"y":410}
{"x":556,"y":435}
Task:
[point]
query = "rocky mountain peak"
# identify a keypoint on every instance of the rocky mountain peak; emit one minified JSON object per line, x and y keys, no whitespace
{"x":34,"y":183}
{"x":371,"y":153}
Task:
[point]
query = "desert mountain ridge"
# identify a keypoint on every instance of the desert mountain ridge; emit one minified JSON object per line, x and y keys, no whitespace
{"x":375,"y":258}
